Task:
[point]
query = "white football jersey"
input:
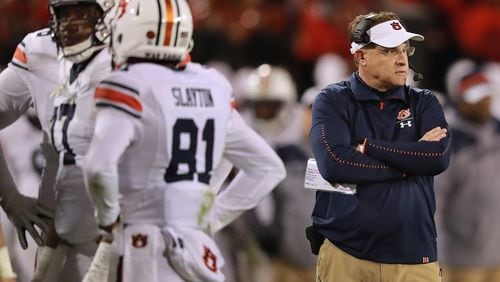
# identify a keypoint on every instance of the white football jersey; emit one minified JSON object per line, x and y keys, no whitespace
{"x":74,"y":109}
{"x":70,"y":133}
{"x":182,"y":118}
{"x":166,"y":136}
{"x":31,"y":77}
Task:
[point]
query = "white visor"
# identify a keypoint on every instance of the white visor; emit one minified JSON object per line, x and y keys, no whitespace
{"x":389,"y":34}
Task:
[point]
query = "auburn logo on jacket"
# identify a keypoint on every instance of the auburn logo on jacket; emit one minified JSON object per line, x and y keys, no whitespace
{"x":404,"y":118}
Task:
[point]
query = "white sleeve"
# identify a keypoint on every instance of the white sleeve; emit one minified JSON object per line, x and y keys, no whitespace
{"x":14,"y":97}
{"x":220,"y":174}
{"x":260,"y":171}
{"x":114,"y":131}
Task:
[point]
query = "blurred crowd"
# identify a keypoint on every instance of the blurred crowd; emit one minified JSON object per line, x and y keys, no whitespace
{"x":296,"y":47}
{"x":295,"y":33}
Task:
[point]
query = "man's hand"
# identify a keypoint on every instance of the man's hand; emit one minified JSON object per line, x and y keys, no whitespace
{"x":361,"y":147}
{"x":435,"y":134}
{"x":108,"y":231}
{"x":24,"y":213}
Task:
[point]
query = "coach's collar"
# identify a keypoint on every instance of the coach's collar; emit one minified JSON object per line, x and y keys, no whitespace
{"x":363,"y":92}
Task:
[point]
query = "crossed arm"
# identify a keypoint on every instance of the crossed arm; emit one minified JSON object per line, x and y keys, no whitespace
{"x":340,"y":159}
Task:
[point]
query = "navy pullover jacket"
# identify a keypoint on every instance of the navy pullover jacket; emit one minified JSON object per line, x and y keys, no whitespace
{"x":391,"y":218}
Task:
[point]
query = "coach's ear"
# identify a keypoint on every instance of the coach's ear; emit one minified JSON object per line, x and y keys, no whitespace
{"x":315,"y":239}
{"x":360,"y":58}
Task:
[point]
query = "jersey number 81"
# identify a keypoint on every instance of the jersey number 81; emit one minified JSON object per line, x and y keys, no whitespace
{"x":188,"y":155}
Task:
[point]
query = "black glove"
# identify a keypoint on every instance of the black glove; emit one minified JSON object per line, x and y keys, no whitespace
{"x":315,"y":239}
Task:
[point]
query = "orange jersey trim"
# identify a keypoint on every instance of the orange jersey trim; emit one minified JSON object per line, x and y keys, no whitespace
{"x":20,"y":56}
{"x":118,"y":97}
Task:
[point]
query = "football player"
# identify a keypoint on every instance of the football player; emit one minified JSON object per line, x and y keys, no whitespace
{"x":162,"y":129}
{"x":81,"y":31}
{"x":28,"y":80}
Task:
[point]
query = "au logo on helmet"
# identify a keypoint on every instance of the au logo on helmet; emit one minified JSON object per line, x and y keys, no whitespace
{"x":122,"y":8}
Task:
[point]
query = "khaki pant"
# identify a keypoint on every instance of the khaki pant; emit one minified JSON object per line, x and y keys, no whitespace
{"x":285,"y":272}
{"x":462,"y":274}
{"x":334,"y":265}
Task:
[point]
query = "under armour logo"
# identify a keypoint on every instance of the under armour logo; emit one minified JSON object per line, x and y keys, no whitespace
{"x":396,"y":25}
{"x":403,"y":124}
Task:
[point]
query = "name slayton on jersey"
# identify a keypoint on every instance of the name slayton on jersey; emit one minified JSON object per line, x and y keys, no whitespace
{"x":193,"y":97}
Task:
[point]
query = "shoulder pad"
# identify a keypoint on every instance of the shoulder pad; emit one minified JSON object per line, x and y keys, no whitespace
{"x":35,"y":45}
{"x":101,"y":66}
{"x":217,"y":77}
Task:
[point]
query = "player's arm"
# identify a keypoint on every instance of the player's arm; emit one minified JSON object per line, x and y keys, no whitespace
{"x":100,"y":165}
{"x":260,"y":171}
{"x":15,"y":97}
{"x":22,"y":211}
{"x":100,"y":168}
{"x":118,"y":110}
{"x":220,"y":175}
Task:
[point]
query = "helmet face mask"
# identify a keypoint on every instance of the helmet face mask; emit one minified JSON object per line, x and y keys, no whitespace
{"x":269,"y":95}
{"x":266,"y":109}
{"x":270,"y":83}
{"x":152,"y":30}
{"x":75,"y":24}
{"x":80,"y":27}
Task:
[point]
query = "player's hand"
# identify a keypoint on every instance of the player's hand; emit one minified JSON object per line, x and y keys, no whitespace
{"x":108,"y":231}
{"x":24,"y":213}
{"x":435,"y":134}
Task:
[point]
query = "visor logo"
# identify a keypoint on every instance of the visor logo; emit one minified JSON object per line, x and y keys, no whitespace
{"x":396,"y":25}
